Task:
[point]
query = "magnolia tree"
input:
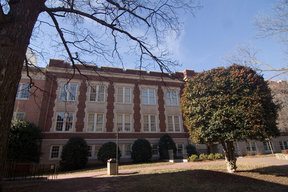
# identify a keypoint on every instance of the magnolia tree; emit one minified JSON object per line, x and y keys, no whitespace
{"x":227,"y":105}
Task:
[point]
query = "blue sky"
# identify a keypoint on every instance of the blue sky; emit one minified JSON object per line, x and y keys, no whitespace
{"x":212,"y":34}
{"x":219,"y":27}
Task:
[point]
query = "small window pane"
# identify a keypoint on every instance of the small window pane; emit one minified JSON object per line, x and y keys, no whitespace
{"x":145,"y":96}
{"x":99,"y":124}
{"x":176,"y":123}
{"x":90,"y":122}
{"x":69,"y":122}
{"x":146,"y":123}
{"x":120,"y":95}
{"x":73,"y":90}
{"x":170,"y":123}
{"x":93,"y":94}
{"x":60,"y":121}
{"x":119,"y":122}
{"x":153,"y":123}
{"x":127,"y":95}
{"x":101,"y":93}
{"x":55,"y":152}
{"x":152,"y":98}
{"x":127,"y":122}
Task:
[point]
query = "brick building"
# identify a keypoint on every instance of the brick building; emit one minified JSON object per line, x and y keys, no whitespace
{"x":100,"y":101}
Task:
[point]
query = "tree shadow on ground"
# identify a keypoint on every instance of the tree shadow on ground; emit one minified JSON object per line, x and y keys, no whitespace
{"x":182,"y":181}
{"x":280,"y":171}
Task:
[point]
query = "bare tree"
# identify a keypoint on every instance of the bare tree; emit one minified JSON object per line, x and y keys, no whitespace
{"x":275,"y":25}
{"x":84,"y":27}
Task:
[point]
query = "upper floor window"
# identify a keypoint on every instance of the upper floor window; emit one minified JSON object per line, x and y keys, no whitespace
{"x":23,"y":91}
{"x":97,"y":93}
{"x":148,"y":96}
{"x":173,"y":124}
{"x":124,"y":122}
{"x":64,"y":122}
{"x":124,"y":95}
{"x":68,"y":92}
{"x":172,"y":98}
{"x":150,"y":123}
{"x":95,"y":122}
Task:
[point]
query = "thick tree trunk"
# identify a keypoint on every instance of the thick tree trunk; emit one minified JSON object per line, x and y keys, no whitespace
{"x":230,"y":158}
{"x":15,"y":32}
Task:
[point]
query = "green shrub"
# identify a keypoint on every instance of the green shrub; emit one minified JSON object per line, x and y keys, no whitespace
{"x":166,"y":143}
{"x":141,"y":151}
{"x":108,"y":151}
{"x":24,"y":142}
{"x":193,"y":158}
{"x":218,"y":156}
{"x":74,"y":154}
{"x":203,"y":156}
{"x":211,"y":156}
{"x":191,"y":150}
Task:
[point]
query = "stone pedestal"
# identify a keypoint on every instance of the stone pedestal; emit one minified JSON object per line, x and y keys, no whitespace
{"x":112,"y":167}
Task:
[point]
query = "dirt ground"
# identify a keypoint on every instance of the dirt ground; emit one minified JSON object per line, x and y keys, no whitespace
{"x":88,"y":181}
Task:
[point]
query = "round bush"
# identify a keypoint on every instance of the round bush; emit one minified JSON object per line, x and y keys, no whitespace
{"x":24,"y":142}
{"x":203,"y":156}
{"x":74,"y":154}
{"x":218,"y":156}
{"x":191,"y":150}
{"x":166,"y":143}
{"x":211,"y":156}
{"x":193,"y":158}
{"x":108,"y":151}
{"x":141,"y":151}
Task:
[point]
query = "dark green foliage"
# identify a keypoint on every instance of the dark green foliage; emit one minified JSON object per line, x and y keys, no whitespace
{"x":166,"y":143}
{"x":24,"y":142}
{"x":141,"y":151}
{"x":108,"y":151}
{"x":191,"y":149}
{"x":232,"y":104}
{"x":74,"y":154}
{"x":226,"y":105}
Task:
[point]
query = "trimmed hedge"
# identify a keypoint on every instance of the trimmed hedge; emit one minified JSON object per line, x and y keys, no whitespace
{"x":166,"y":143}
{"x":141,"y":151}
{"x":191,"y":150}
{"x":74,"y":154}
{"x":108,"y":151}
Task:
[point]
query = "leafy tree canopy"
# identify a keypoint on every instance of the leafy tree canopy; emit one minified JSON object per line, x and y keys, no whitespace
{"x":229,"y":104}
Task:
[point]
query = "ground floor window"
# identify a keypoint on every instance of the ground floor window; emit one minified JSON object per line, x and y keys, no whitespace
{"x":154,"y":149}
{"x":267,"y":147}
{"x":283,"y":145}
{"x":179,"y":149}
{"x":19,"y":116}
{"x":125,"y":150}
{"x":55,"y":152}
{"x":251,"y":146}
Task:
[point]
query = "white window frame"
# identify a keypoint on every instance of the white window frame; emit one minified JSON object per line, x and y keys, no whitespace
{"x":92,"y":152}
{"x":124,"y":92}
{"x":249,"y":146}
{"x":282,"y":145}
{"x":169,"y":97}
{"x":266,"y":146}
{"x":124,"y":151}
{"x":149,"y":96}
{"x":15,"y":114}
{"x":95,"y":116}
{"x":97,"y":93}
{"x":64,"y":122}
{"x":23,"y":91}
{"x":65,"y":92}
{"x":123,"y":116}
{"x":182,"y":149}
{"x":154,"y":148}
{"x":59,"y":152}
{"x":149,"y":123}
{"x":173,"y":123}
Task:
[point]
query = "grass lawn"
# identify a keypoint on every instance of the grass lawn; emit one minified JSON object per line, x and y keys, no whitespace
{"x":193,"y":177}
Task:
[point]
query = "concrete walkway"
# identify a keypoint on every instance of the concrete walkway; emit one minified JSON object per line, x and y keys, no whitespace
{"x":123,"y":170}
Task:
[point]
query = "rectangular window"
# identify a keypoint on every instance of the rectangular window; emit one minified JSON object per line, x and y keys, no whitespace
{"x":19,"y":116}
{"x":150,"y":123}
{"x":127,"y":150}
{"x":124,"y":95}
{"x":64,"y":122}
{"x":68,"y":92}
{"x":148,"y":96}
{"x":154,"y":149}
{"x":124,"y":122}
{"x":173,"y":123}
{"x":179,"y":149}
{"x":251,"y":147}
{"x":97,"y":93}
{"x":23,"y":91}
{"x":89,"y":151}
{"x":267,"y":147}
{"x":283,"y":145}
{"x":95,"y":122}
{"x":55,"y":151}
{"x":172,"y":98}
